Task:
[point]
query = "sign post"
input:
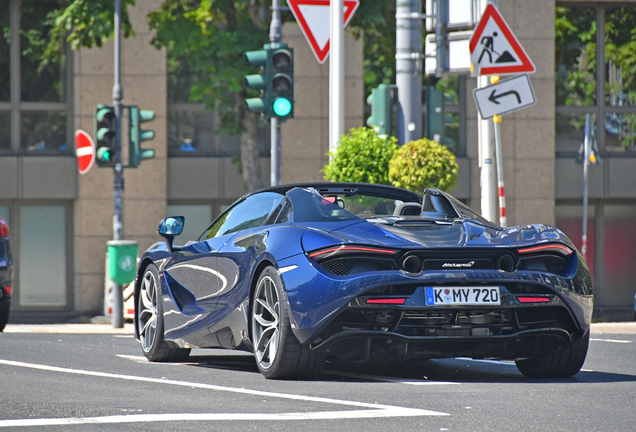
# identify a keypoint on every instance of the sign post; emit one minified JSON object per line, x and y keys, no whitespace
{"x":313,"y":17}
{"x":85,"y":151}
{"x":504,"y":97}
{"x":494,"y":50}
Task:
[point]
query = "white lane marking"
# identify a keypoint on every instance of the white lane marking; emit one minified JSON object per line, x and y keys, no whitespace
{"x":507,"y":363}
{"x":498,"y":362}
{"x":382,"y":410}
{"x":146,"y":418}
{"x":610,"y":340}
{"x":141,"y":359}
{"x":391,"y":380}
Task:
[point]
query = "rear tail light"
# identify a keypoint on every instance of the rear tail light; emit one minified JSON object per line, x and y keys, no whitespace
{"x":533,"y":299}
{"x":4,"y":230}
{"x":559,"y":249}
{"x":390,"y":301}
{"x":346,"y":249}
{"x":8,"y":289}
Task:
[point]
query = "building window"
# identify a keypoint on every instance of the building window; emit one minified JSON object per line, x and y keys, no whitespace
{"x":193,"y":128}
{"x":589,"y":35}
{"x":192,"y":131}
{"x":197,"y":219}
{"x":34,"y":98}
{"x":42,"y":239}
{"x":199,"y":214}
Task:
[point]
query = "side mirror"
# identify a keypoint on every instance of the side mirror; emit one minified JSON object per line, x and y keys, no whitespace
{"x":171,"y":227}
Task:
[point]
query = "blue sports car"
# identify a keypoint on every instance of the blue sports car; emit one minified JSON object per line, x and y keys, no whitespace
{"x":306,"y":274}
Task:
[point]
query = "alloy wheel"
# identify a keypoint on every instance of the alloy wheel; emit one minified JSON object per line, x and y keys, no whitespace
{"x":147,"y":322}
{"x":265,"y":322}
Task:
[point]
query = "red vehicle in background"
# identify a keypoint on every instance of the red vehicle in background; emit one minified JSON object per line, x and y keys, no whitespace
{"x":5,"y":274}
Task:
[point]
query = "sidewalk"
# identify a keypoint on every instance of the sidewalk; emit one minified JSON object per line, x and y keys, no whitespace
{"x":69,"y":328}
{"x":628,"y":327}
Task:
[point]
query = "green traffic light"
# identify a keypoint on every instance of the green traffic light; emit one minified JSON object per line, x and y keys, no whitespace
{"x":104,"y":154}
{"x":282,"y":107}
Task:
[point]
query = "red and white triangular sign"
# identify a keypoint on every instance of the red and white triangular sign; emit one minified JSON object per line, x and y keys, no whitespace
{"x":314,"y":18}
{"x":494,"y":49}
{"x":85,"y":151}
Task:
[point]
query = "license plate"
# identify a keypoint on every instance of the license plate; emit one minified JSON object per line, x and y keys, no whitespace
{"x":436,"y":296}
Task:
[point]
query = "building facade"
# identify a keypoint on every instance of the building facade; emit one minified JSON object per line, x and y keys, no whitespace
{"x":61,"y":221}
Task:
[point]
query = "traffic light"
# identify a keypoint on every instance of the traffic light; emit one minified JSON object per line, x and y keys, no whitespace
{"x":136,"y":135}
{"x":275,"y":81}
{"x":105,"y":136}
{"x":381,"y":102}
{"x":280,"y":89}
{"x":436,"y":118}
{"x":257,"y":81}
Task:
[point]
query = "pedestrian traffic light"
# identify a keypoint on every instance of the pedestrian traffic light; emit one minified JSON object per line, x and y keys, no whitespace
{"x":280,"y":89}
{"x":436,"y":118}
{"x":381,"y":102}
{"x":136,"y":136}
{"x":105,"y":136}
{"x":257,"y":81}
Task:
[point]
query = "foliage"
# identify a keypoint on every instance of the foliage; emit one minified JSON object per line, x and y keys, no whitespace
{"x":575,"y":37}
{"x":362,"y":156}
{"x":84,"y":23}
{"x":421,"y":164}
{"x":205,"y":42}
{"x":576,"y":74}
{"x":374,"y":20}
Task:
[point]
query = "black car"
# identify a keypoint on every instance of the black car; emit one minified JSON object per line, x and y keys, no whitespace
{"x":5,"y":274}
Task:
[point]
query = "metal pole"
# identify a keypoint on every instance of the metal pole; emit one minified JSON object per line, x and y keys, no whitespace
{"x":118,"y":300}
{"x":487,"y":145}
{"x":336,"y":75}
{"x":408,"y":67}
{"x":500,"y":178}
{"x":587,"y":148}
{"x":275,"y":37}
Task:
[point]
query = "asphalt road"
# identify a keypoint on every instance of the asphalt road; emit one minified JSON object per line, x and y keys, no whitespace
{"x":52,"y":380}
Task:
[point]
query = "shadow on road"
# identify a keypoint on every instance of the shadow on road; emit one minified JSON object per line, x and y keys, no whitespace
{"x":447,"y":370}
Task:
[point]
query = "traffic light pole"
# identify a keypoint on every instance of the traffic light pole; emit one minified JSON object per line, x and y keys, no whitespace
{"x":118,"y":306}
{"x":408,"y":70}
{"x":275,"y":31}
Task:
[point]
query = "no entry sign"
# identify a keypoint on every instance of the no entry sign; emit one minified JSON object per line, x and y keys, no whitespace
{"x":85,"y":151}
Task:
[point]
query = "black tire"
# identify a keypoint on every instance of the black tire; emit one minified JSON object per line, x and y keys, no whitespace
{"x":562,"y":362}
{"x":5,"y":308}
{"x":150,"y":321}
{"x":278,"y":353}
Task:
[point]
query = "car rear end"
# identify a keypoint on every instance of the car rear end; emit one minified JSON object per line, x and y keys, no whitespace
{"x":498,"y":303}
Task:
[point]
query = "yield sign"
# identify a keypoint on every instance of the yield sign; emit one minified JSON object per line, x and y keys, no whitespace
{"x":85,"y":150}
{"x":494,"y":49}
{"x":314,"y":19}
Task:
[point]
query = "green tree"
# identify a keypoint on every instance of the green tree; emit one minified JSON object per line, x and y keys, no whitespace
{"x":362,"y":157}
{"x":421,"y":164}
{"x":205,"y":42}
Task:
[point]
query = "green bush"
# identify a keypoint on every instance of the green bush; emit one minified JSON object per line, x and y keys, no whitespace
{"x":421,"y":164}
{"x":361,"y":157}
